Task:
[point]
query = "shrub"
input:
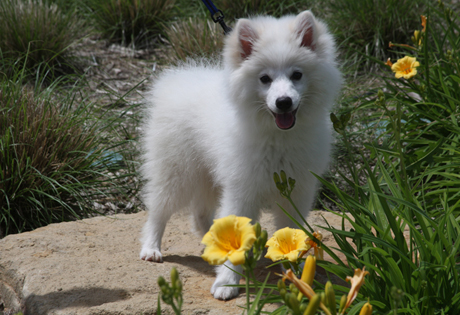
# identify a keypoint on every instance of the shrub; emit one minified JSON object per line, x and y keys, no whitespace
{"x":37,"y":33}
{"x":54,"y":160}
{"x":131,"y":21}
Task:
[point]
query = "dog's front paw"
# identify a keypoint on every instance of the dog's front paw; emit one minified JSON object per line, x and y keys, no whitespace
{"x":150,"y":254}
{"x":223,"y":293}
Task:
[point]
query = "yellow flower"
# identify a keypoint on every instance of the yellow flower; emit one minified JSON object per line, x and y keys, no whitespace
{"x":356,"y":282}
{"x":286,"y":243}
{"x":405,"y":67}
{"x":228,"y":238}
{"x":366,"y":309}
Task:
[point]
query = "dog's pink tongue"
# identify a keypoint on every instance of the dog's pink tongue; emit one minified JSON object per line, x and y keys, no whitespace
{"x":285,"y":121}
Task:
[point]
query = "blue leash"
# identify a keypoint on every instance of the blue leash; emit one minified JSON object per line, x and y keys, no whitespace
{"x":217,"y":16}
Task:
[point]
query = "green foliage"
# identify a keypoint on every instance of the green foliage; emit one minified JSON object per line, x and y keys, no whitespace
{"x":131,"y":22}
{"x":366,"y":27}
{"x":420,"y":117}
{"x":405,"y":217}
{"x":37,"y":34}
{"x":54,"y":160}
{"x":422,"y":262}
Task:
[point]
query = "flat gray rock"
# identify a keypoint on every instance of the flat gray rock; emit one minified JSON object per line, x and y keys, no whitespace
{"x":92,"y":267}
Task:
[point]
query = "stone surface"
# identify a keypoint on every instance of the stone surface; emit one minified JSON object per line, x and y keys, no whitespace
{"x":92,"y":267}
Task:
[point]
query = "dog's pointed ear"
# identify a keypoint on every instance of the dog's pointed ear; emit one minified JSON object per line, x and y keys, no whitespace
{"x":306,"y":29}
{"x":246,"y":37}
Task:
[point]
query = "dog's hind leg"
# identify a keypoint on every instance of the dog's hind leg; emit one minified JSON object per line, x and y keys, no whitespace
{"x":152,"y":233}
{"x":161,"y":203}
{"x":204,"y":205}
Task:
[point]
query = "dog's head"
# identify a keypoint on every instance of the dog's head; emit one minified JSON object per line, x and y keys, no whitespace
{"x":275,"y":62}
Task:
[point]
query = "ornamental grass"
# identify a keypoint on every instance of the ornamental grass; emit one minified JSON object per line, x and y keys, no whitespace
{"x":131,"y":22}
{"x":38,"y":35}
{"x":55,"y":161}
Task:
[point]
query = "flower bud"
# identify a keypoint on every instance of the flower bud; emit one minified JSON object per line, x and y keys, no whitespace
{"x":280,"y":187}
{"x":276,"y":178}
{"x":161,"y":281}
{"x":330,"y":298}
{"x":263,"y":238}
{"x":294,"y":304}
{"x":283,"y":176}
{"x":174,"y":276}
{"x":309,"y":270}
{"x":281,"y":285}
{"x":257,"y":229}
{"x":313,"y":305}
{"x":293,"y":289}
{"x":323,"y":297}
{"x":366,"y":309}
{"x":283,"y":293}
{"x":179,"y":286}
{"x":343,"y":302}
{"x":303,"y":307}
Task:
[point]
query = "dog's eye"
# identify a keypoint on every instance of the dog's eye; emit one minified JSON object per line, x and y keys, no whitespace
{"x":265,"y":79}
{"x":297,"y":75}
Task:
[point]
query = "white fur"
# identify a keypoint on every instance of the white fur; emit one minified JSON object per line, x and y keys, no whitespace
{"x":210,"y":136}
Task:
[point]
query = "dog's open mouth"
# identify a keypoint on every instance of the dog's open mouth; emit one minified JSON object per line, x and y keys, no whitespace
{"x":285,"y":121}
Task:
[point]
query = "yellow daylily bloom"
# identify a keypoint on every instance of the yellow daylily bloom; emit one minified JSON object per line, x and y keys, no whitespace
{"x":228,"y":238}
{"x":366,"y":309}
{"x":356,"y":282}
{"x":405,"y":67}
{"x":286,"y":243}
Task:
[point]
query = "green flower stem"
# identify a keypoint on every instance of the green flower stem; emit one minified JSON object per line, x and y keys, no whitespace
{"x":246,"y":273}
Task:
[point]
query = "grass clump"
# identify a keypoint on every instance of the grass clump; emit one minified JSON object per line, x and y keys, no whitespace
{"x":54,"y":160}
{"x":37,"y":34}
{"x":131,"y":22}
{"x":244,"y":8}
{"x":195,"y":37}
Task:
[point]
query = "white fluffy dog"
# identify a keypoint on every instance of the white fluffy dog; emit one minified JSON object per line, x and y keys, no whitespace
{"x":216,"y":133}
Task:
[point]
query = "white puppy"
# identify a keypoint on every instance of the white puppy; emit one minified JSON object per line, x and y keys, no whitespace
{"x":216,"y":133}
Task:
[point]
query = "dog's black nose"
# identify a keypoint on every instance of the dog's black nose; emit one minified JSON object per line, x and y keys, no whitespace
{"x":284,"y":103}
